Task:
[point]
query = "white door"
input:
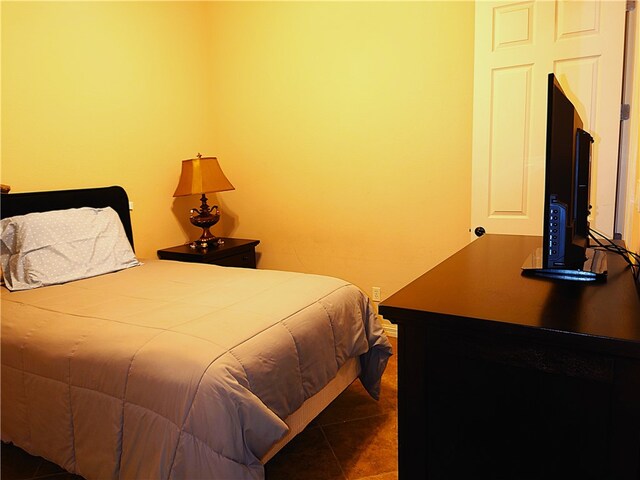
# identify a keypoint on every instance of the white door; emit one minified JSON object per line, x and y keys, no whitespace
{"x":517,"y":44}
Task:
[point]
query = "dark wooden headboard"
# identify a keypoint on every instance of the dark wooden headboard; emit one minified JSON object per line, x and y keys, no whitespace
{"x":28,"y":202}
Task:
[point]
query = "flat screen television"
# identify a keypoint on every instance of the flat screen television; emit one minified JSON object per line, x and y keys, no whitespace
{"x":565,"y":251}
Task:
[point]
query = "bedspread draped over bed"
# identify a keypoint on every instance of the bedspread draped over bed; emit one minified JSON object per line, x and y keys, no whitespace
{"x":175,"y":370}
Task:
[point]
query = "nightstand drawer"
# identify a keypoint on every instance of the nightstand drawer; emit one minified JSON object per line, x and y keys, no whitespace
{"x":234,"y":252}
{"x":247,"y":260}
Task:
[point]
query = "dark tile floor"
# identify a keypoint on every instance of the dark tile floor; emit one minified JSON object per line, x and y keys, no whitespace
{"x":354,"y":438}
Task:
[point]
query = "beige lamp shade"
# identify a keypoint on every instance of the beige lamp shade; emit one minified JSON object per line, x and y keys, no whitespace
{"x":201,"y":175}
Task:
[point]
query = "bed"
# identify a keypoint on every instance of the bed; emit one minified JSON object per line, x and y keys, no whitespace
{"x":166,"y":369}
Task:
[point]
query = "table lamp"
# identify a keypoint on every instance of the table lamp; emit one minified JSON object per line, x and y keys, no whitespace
{"x":202,"y":175}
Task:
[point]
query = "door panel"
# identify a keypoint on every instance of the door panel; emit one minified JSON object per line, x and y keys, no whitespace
{"x":517,"y":45}
{"x":509,"y":130}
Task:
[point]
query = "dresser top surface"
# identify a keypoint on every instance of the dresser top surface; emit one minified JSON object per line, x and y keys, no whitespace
{"x":483,"y":281}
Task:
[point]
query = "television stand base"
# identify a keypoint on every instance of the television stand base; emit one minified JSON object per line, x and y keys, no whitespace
{"x":593,"y":270}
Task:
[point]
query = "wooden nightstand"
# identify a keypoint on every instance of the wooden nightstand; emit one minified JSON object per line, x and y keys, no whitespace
{"x":234,"y":252}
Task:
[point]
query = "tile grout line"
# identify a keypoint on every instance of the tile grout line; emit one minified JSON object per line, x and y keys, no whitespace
{"x":326,"y":439}
{"x":340,"y":422}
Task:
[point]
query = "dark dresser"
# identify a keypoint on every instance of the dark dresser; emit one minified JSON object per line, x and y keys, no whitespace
{"x":502,"y":376}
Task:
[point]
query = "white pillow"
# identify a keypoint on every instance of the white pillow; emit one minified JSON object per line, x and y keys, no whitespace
{"x":47,"y":248}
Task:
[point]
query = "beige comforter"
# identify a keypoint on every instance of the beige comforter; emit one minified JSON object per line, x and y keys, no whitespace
{"x":175,"y":370}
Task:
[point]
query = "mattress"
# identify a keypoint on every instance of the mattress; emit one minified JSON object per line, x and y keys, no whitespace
{"x":177,"y":370}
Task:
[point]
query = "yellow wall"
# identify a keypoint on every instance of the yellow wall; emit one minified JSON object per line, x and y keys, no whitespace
{"x":634,"y":236}
{"x":344,"y":126}
{"x":630,"y":186}
{"x":104,"y":93}
{"x":346,"y":129}
{"x":632,"y":225}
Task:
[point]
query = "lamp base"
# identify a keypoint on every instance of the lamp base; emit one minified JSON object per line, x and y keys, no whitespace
{"x":205,"y":218}
{"x":211,"y":242}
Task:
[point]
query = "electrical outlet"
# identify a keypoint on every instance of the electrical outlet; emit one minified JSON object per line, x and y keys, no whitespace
{"x":130,"y":205}
{"x":375,"y":294}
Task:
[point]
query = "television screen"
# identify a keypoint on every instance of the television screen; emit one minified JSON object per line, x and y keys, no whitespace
{"x":567,"y":164}
{"x":564,"y":252}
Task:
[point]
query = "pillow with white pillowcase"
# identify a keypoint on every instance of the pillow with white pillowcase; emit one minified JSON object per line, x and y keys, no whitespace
{"x":47,"y":248}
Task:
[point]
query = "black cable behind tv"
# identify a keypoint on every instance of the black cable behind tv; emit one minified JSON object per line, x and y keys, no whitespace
{"x":565,"y":251}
